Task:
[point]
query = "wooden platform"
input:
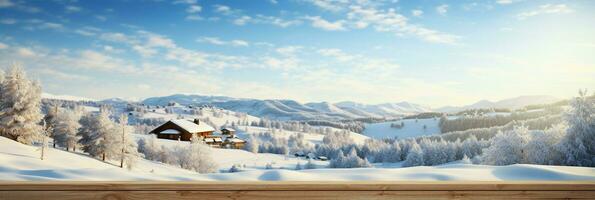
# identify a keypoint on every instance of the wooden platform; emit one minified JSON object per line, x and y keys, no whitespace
{"x":296,"y":190}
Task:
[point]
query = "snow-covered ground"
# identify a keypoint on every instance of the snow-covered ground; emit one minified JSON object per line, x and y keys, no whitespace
{"x":225,"y":158}
{"x":21,"y":162}
{"x":411,"y":129}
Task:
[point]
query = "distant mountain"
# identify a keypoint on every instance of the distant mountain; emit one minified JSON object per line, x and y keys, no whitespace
{"x":293,"y":110}
{"x":512,"y":103}
{"x":185,"y":99}
{"x":383,"y":110}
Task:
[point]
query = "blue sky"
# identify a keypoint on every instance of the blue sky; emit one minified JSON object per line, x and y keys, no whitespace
{"x":429,"y":52}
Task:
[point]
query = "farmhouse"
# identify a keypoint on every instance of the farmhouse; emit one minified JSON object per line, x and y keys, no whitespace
{"x":183,"y":130}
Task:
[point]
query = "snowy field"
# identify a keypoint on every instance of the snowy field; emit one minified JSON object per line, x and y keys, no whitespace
{"x":21,"y":162}
{"x":411,"y":129}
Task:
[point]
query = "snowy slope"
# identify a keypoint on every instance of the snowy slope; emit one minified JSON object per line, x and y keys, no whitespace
{"x":411,"y":129}
{"x":21,"y":162}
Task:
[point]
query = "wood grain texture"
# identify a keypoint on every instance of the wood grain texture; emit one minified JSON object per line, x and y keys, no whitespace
{"x":296,"y":190}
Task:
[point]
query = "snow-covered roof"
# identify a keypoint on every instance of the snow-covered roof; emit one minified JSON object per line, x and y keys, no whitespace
{"x":170,"y":131}
{"x":192,"y":127}
{"x":217,"y":140}
{"x":229,"y":129}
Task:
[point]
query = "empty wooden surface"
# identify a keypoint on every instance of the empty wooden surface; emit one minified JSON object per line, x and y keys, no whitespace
{"x":297,"y":190}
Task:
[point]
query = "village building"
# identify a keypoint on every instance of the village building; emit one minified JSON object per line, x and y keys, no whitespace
{"x":183,"y":130}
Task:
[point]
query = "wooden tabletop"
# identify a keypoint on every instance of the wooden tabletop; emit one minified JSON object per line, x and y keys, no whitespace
{"x":298,"y":190}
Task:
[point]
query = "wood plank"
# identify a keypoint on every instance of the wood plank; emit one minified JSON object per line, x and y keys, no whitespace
{"x":300,"y":186}
{"x":264,"y":195}
{"x":297,"y":190}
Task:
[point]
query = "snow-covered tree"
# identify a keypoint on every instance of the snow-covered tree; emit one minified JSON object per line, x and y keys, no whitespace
{"x":578,"y":146}
{"x":197,"y":156}
{"x":415,"y":157}
{"x":252,"y":145}
{"x":508,"y":147}
{"x":128,"y":148}
{"x":541,"y":149}
{"x":350,"y":160}
{"x":66,"y":125}
{"x":99,"y":135}
{"x":20,"y":107}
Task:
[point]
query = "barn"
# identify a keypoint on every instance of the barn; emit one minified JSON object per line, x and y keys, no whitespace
{"x":181,"y":129}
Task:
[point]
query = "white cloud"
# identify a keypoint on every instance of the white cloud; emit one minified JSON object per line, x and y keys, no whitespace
{"x":318,"y":22}
{"x":154,"y":40}
{"x":225,"y":10}
{"x":3,"y":46}
{"x":546,"y":9}
{"x":62,"y":75}
{"x":330,"y":5}
{"x":25,"y":52}
{"x":391,"y":21}
{"x":217,"y":41}
{"x":242,"y":20}
{"x":276,"y":21}
{"x":288,"y":50}
{"x":417,"y":13}
{"x":239,"y":43}
{"x":72,"y":9}
{"x":50,"y":25}
{"x":101,"y":18}
{"x":442,"y":9}
{"x":193,"y":9}
{"x":6,"y":3}
{"x":115,"y":37}
{"x":8,"y":21}
{"x":144,"y":51}
{"x":274,"y":1}
{"x":337,"y":54}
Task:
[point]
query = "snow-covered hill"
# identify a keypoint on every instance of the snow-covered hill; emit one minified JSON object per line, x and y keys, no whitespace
{"x":512,"y":103}
{"x":21,"y":162}
{"x":293,"y":110}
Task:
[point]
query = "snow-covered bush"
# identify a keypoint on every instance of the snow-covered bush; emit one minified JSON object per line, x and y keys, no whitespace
{"x":150,"y":149}
{"x":20,"y":107}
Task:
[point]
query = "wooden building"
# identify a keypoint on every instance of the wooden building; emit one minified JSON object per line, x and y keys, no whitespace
{"x":228,"y":131}
{"x":181,"y":129}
